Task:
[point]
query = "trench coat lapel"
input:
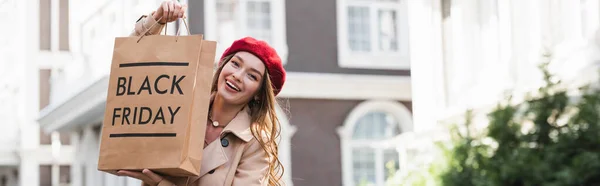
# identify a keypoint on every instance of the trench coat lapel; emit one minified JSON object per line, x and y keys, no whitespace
{"x":214,"y":154}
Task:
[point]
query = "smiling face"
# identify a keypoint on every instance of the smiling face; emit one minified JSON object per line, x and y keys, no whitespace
{"x":240,"y":78}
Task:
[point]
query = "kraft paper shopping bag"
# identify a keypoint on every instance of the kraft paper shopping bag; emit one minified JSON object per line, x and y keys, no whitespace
{"x":157,"y":104}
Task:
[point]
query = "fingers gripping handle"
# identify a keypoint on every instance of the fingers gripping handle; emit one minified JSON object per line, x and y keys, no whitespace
{"x":157,"y":21}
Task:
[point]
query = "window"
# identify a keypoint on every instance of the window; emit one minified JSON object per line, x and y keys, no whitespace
{"x":229,"y":20}
{"x":65,"y":175}
{"x":45,"y":175}
{"x":63,"y":26}
{"x":45,"y":138}
{"x":373,"y":34}
{"x":65,"y":138}
{"x":47,"y":30}
{"x":258,"y":20}
{"x":370,"y":153}
{"x":367,"y":155}
{"x":45,"y":86}
{"x":45,"y":21}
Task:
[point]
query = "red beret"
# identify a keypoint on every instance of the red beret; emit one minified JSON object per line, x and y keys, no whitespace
{"x":266,"y":54}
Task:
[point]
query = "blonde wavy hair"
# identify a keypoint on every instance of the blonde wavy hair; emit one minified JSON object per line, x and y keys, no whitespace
{"x":266,"y":127}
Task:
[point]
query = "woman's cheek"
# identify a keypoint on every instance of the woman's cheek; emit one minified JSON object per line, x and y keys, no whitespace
{"x":255,"y":88}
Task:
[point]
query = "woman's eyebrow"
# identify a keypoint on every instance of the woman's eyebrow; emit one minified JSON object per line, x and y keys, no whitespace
{"x":239,"y":58}
{"x":253,"y":69}
{"x":257,"y":71}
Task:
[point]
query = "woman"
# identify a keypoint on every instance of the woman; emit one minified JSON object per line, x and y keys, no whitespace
{"x":240,"y":146}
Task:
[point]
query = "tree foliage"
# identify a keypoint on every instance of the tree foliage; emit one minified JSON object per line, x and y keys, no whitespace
{"x":551,"y":139}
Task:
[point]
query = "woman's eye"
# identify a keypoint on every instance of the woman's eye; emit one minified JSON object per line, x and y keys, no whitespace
{"x":253,"y":77}
{"x":235,"y":64}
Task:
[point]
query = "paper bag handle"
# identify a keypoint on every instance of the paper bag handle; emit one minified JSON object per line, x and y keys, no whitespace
{"x":157,"y":21}
{"x":179,"y":30}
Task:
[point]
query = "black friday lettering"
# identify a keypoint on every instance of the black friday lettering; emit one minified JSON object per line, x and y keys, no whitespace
{"x":149,"y":86}
{"x":144,"y":115}
{"x":124,"y":85}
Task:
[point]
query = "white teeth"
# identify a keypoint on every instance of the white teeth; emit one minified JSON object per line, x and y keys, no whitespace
{"x":232,"y":86}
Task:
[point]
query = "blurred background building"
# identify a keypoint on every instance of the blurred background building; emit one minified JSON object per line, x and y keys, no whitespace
{"x":370,"y":81}
{"x":482,"y":51}
{"x":491,"y":48}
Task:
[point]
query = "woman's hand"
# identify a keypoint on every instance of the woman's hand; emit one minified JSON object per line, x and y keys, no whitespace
{"x":147,"y":176}
{"x":169,"y":10}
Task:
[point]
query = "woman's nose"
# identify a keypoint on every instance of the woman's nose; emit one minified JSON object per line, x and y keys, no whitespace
{"x":238,"y":75}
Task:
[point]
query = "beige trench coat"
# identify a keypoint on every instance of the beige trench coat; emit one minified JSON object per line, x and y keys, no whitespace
{"x":235,"y":159}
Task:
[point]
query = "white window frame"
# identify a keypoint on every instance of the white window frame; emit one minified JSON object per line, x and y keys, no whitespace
{"x":278,"y":25}
{"x":375,"y":59}
{"x":396,"y":109}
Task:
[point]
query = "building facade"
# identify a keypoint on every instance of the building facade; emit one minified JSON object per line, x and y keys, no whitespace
{"x":345,"y":105}
{"x":30,"y":54}
{"x":492,"y":48}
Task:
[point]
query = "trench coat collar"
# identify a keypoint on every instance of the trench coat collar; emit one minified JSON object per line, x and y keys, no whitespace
{"x":240,"y":125}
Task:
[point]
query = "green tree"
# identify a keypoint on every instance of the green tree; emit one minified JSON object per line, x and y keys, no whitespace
{"x":552,"y":139}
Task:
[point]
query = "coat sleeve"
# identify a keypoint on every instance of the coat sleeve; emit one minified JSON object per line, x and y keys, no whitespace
{"x":145,"y":22}
{"x":253,"y":166}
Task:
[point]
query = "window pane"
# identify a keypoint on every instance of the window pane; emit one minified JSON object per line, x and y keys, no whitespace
{"x":358,"y":28}
{"x":363,"y":166}
{"x":226,"y":23}
{"x":45,"y":87}
{"x":64,"y":26}
{"x":65,"y":174}
{"x":265,"y":7}
{"x":259,"y":20}
{"x":45,"y":175}
{"x":225,"y":10}
{"x":252,"y":6}
{"x":391,"y":162}
{"x":45,"y":20}
{"x":45,"y":139}
{"x":65,"y":138}
{"x":391,"y":127}
{"x":376,"y":126}
{"x":388,"y":33}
